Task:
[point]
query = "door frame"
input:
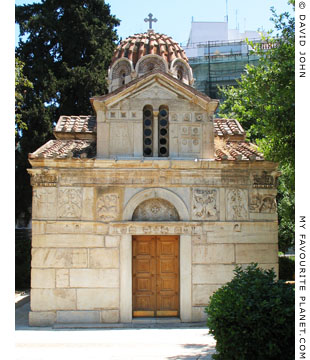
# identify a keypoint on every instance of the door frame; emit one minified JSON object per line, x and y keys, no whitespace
{"x":185,"y":261}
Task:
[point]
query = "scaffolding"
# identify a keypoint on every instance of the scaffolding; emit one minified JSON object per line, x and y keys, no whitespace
{"x":220,"y":63}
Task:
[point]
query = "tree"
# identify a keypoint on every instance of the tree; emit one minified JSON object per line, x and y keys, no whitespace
{"x":67,"y":52}
{"x":264,"y":102}
{"x":22,"y":84}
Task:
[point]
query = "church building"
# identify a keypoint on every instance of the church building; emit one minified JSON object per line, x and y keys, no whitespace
{"x":143,"y":210}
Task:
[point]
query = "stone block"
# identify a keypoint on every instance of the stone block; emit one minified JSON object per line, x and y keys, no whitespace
{"x":97,"y":299}
{"x":263,"y":216}
{"x":62,"y":278}
{"x":212,"y":274}
{"x":78,"y":317}
{"x":53,"y":299}
{"x":202,"y":293}
{"x":102,"y":228}
{"x":199,"y":239}
{"x":257,"y":253}
{"x":213,"y":254}
{"x":42,"y":318}
{"x":91,"y":278}
{"x":109,"y":316}
{"x":38,"y":227}
{"x":198,"y":314}
{"x":70,"y":227}
{"x":44,"y":203}
{"x":88,"y":212}
{"x":59,"y":258}
{"x":249,"y":232}
{"x":112,"y":241}
{"x":68,"y":240}
{"x":104,"y":258}
{"x":42,"y":278}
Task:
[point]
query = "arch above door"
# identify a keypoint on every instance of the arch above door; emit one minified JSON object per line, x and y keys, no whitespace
{"x":155,"y":193}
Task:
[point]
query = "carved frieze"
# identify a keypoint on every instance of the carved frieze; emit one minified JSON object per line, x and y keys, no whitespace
{"x":205,"y":204}
{"x":108,"y":207}
{"x":44,"y":179}
{"x":69,"y":203}
{"x":236,"y":204}
{"x":153,"y":228}
{"x":264,"y":180}
{"x":262,"y":203}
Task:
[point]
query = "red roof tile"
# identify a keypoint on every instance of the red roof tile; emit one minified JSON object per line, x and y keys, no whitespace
{"x":138,"y":45}
{"x":228,"y":128}
{"x":62,"y":149}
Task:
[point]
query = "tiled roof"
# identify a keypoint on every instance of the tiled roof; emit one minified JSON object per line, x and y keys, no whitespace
{"x":235,"y":150}
{"x":62,"y":149}
{"x":83,"y":124}
{"x":228,"y":128}
{"x":139,"y":45}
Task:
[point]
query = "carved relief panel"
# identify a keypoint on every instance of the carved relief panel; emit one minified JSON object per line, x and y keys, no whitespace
{"x":190,"y":139}
{"x":44,"y":203}
{"x":205,"y":204}
{"x":236,"y":204}
{"x":108,"y":207}
{"x":262,"y":202}
{"x":155,"y":210}
{"x":69,"y":203}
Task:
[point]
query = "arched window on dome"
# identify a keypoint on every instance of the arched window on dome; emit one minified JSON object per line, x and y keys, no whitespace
{"x":180,"y":74}
{"x":163,"y":131}
{"x":122,"y":77}
{"x":148,"y":131}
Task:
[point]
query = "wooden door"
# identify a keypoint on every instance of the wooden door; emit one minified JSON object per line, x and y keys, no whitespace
{"x":155,"y":276}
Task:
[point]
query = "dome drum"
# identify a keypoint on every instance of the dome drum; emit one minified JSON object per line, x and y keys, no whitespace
{"x":150,"y":51}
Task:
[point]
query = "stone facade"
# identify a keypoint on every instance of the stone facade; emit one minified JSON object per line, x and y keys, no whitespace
{"x":217,"y":196}
{"x":81,"y":255}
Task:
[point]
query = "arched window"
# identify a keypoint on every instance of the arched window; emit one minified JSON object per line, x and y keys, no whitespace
{"x":147,"y":131}
{"x":163,"y":131}
{"x":180,"y":74}
{"x":122,"y":76}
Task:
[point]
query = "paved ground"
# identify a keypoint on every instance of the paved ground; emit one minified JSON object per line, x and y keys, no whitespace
{"x":109,"y":344}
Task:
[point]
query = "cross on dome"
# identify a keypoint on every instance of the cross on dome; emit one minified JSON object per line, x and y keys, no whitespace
{"x":150,"y":19}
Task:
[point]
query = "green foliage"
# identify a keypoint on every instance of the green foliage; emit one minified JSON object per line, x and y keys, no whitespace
{"x":22,"y":84}
{"x":67,"y":52}
{"x":264,"y":103}
{"x":252,"y":317}
{"x":286,"y":268}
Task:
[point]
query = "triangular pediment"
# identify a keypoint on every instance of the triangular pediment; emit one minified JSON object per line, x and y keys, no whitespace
{"x":155,"y":85}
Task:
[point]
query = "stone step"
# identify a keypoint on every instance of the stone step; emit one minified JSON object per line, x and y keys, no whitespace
{"x":136,"y":323}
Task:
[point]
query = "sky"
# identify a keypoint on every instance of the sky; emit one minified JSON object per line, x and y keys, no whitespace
{"x":174,"y":17}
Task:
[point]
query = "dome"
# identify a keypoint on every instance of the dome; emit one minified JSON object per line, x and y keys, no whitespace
{"x":149,"y":43}
{"x":150,"y":51}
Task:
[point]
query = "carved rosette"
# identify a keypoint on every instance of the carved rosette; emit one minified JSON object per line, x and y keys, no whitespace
{"x":236,"y":204}
{"x":69,"y":203}
{"x":205,"y":204}
{"x":262,"y":203}
{"x":108,"y":207}
{"x":155,"y":210}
